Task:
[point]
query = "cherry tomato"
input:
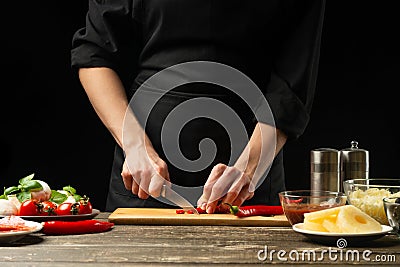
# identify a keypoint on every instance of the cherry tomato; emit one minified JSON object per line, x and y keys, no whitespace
{"x":48,"y":208}
{"x":29,"y":207}
{"x":85,"y":207}
{"x":67,"y":209}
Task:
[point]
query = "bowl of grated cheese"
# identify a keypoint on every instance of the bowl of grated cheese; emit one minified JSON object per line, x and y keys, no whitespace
{"x":368,"y":195}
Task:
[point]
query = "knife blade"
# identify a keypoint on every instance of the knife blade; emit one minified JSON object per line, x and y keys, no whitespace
{"x":174,"y":197}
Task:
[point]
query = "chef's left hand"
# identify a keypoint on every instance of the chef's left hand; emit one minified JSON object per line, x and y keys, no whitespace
{"x":225,"y":184}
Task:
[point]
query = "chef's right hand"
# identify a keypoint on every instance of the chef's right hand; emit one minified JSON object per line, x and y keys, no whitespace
{"x":144,"y":172}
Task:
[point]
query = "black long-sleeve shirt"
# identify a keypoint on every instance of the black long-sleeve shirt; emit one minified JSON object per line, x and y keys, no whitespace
{"x":275,"y":43}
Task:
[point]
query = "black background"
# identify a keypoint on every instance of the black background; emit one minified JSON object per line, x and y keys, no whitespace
{"x":49,"y":128}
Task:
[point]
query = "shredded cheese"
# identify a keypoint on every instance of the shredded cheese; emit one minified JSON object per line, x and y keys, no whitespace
{"x":370,"y":201}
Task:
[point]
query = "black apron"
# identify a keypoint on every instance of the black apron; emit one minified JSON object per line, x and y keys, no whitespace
{"x":190,"y":137}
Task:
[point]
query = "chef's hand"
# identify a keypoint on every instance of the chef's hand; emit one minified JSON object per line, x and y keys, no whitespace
{"x":235,"y":184}
{"x":144,"y":172}
{"x":226,"y":184}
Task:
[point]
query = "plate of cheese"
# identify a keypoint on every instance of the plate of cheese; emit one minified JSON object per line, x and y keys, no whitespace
{"x":346,"y":224}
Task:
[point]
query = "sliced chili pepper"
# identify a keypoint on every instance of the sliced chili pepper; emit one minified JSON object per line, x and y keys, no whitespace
{"x":255,"y":210}
{"x":180,"y":211}
{"x":75,"y":227}
{"x":199,"y":210}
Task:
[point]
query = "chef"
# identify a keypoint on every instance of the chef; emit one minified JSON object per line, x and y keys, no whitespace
{"x":125,"y":43}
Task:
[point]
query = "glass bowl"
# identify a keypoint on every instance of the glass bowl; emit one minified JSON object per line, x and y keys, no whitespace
{"x":297,"y":202}
{"x":392,"y":211}
{"x":367,"y":195}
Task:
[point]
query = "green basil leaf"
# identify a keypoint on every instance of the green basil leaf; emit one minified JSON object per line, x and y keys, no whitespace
{"x":10,"y":190}
{"x":57,"y":197}
{"x":77,"y":198}
{"x":22,"y":196}
{"x":69,"y":189}
{"x":31,"y":185}
{"x":26,"y":179}
{"x":3,"y":197}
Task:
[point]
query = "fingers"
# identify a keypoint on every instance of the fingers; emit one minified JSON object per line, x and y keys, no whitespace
{"x":225,"y":185}
{"x":159,"y":178}
{"x":130,"y":183}
{"x":239,"y":191}
{"x":242,"y":197}
{"x":228,"y":184}
{"x":126,"y":177}
{"x":161,"y":169}
{"x":155,"y":185}
{"x":146,"y":179}
{"x":215,"y":173}
{"x":135,"y":187}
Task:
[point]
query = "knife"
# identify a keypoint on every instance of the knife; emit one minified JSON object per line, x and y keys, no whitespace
{"x":174,"y":197}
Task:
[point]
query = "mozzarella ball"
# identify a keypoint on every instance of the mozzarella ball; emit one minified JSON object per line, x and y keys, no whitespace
{"x":7,"y":208}
{"x":42,"y":195}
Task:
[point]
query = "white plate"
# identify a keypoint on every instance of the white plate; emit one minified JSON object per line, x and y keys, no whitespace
{"x":11,"y":236}
{"x":77,"y":217}
{"x":332,"y":238}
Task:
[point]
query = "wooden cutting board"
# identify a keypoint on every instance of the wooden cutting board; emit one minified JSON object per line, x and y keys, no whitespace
{"x":153,"y":216}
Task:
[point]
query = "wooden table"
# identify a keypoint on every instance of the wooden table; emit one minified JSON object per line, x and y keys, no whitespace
{"x":139,"y":245}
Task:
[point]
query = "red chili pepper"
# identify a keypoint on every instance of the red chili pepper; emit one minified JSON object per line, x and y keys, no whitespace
{"x":199,"y":210}
{"x":75,"y":227}
{"x":255,"y":210}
